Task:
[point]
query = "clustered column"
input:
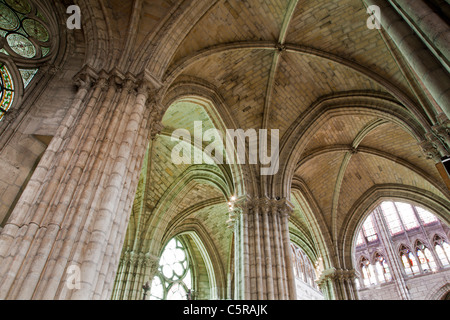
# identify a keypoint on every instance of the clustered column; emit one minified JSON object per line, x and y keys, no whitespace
{"x":72,"y":216}
{"x":338,"y":284}
{"x":135,"y":270}
{"x":263,"y":256}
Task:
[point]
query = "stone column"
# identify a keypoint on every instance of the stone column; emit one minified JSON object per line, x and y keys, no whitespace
{"x":338,"y":284}
{"x":72,"y":217}
{"x":392,"y":256}
{"x":430,"y":26}
{"x":263,"y":248}
{"x":429,"y":70}
{"x":135,"y":269}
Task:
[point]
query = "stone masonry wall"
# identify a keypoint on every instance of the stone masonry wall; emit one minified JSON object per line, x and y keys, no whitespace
{"x":421,"y":287}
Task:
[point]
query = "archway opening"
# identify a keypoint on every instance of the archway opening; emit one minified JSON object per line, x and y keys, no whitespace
{"x":182,"y":204}
{"x":399,"y":250}
{"x":306,"y":275}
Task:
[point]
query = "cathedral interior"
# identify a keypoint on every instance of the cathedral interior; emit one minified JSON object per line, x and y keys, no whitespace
{"x":106,"y":192}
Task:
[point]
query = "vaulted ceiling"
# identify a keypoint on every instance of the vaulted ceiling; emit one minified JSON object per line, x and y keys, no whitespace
{"x":269,"y":64}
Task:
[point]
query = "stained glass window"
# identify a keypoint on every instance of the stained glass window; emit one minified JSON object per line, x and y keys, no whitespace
{"x":368,"y":272}
{"x":409,"y":261}
{"x":369,"y":229}
{"x":426,"y":258}
{"x":391,"y":216}
{"x":6,"y":90}
{"x":174,"y":278}
{"x":442,"y":250}
{"x":426,"y":216}
{"x":24,"y":36}
{"x":303,"y":267}
{"x":382,"y":268}
{"x":27,"y":75}
{"x":22,"y":26}
{"x":407,"y":215}
{"x":360,"y":239}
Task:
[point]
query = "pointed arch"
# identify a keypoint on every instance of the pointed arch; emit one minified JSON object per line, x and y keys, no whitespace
{"x":201,"y":93}
{"x":206,"y":250}
{"x":373,"y":197}
{"x":296,"y":138}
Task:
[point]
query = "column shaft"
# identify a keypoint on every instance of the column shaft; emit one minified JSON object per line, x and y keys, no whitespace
{"x":75,"y":210}
{"x":429,"y":70}
{"x":266,"y":253}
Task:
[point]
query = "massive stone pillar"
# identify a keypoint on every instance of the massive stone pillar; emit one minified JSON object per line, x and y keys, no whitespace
{"x":65,"y":236}
{"x":264,"y":269}
{"x":427,"y":67}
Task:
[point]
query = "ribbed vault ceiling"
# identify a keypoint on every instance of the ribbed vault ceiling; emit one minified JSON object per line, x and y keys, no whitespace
{"x":270,"y":61}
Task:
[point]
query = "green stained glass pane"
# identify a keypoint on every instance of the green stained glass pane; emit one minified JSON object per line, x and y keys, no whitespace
{"x":40,"y":16}
{"x":45,"y":51}
{"x":21,"y":6}
{"x":8,"y":20}
{"x":21,"y":45}
{"x":6,"y":89}
{"x":27,"y":75}
{"x":36,"y":30}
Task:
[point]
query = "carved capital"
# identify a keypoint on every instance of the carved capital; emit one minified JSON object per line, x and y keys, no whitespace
{"x":430,"y":151}
{"x":334,"y":274}
{"x":442,"y":129}
{"x":152,"y":262}
{"x":85,"y":78}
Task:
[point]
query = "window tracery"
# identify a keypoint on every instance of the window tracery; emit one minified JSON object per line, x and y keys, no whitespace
{"x":382,"y":267}
{"x":303,"y":268}
{"x":409,"y":261}
{"x":442,"y":250}
{"x":408,"y":227}
{"x":25,"y":44}
{"x":425,"y":257}
{"x":174,"y":278}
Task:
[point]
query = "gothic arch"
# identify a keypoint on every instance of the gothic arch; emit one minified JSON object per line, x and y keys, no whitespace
{"x":439,"y":292}
{"x":208,"y":251}
{"x":205,"y":95}
{"x":317,"y":226}
{"x":183,"y":17}
{"x":373,"y":197}
{"x":155,"y":227}
{"x":97,"y":30}
{"x":295,"y":140}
